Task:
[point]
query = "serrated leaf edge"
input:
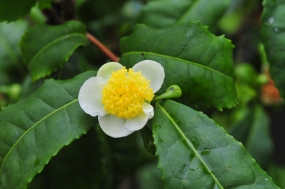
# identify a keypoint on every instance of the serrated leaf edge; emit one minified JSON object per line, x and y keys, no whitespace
{"x":32,"y":127}
{"x":48,"y":72}
{"x":191,"y":146}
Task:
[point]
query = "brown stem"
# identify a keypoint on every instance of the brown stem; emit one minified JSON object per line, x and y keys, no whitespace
{"x":103,"y":48}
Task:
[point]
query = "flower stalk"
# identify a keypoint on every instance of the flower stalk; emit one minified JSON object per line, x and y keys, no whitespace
{"x":171,"y":92}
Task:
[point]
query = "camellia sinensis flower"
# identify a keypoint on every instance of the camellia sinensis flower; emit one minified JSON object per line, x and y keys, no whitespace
{"x":121,"y":97}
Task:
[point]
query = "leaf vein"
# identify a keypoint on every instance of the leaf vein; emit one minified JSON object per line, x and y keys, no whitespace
{"x":190,"y":145}
{"x":32,"y":127}
{"x":50,"y":44}
{"x":179,"y":59}
{"x":13,"y":125}
{"x":68,"y":120}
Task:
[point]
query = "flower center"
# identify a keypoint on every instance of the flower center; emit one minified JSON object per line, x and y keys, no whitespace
{"x":125,"y":93}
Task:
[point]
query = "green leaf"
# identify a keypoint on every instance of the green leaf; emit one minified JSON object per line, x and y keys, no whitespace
{"x":10,"y":36}
{"x":78,"y":165}
{"x":194,"y":152}
{"x":193,"y":58}
{"x":254,"y":132}
{"x":273,"y":33}
{"x":13,"y":10}
{"x":35,"y":129}
{"x":46,"y":48}
{"x":278,"y":174}
{"x":45,"y":4}
{"x":259,"y":143}
{"x":149,"y":177}
{"x":163,"y":13}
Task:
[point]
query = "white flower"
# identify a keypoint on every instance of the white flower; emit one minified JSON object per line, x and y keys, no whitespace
{"x":120,"y":97}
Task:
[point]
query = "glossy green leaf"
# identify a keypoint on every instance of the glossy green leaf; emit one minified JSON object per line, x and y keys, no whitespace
{"x":193,"y":58}
{"x":36,"y":128}
{"x":159,"y":14}
{"x":273,"y":33}
{"x":44,"y":52}
{"x":13,"y":10}
{"x":194,"y":152}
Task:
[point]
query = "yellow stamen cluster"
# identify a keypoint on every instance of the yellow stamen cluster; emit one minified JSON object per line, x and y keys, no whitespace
{"x":125,"y":93}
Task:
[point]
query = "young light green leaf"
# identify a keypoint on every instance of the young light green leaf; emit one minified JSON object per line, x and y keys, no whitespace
{"x":273,"y":33}
{"x":44,"y":52}
{"x":163,"y":13}
{"x":36,"y":128}
{"x":193,"y":58}
{"x":194,"y":152}
{"x":13,"y":10}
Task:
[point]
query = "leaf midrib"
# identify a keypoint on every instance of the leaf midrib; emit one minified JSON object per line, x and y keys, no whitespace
{"x":50,"y":44}
{"x":32,"y":127}
{"x":178,"y":59}
{"x":190,"y":145}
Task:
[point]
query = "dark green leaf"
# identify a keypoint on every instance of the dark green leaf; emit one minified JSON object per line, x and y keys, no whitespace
{"x":35,"y":129}
{"x":193,"y":58}
{"x":159,"y":14}
{"x":253,"y":131}
{"x":46,"y":48}
{"x":149,"y":177}
{"x":273,"y":33}
{"x":278,"y":174}
{"x":76,"y":166}
{"x":45,"y":4}
{"x":259,"y":143}
{"x":194,"y":152}
{"x":13,"y":10}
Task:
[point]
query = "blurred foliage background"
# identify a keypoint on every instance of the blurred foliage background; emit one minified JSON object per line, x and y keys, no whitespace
{"x":257,"y":122}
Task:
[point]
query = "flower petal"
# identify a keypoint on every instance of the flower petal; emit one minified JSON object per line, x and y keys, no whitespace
{"x":90,"y":96}
{"x":148,"y":109}
{"x":113,"y":126}
{"x":137,"y":122}
{"x":106,"y":70}
{"x":152,"y":71}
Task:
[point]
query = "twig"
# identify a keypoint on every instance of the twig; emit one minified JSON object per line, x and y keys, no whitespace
{"x":103,"y":48}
